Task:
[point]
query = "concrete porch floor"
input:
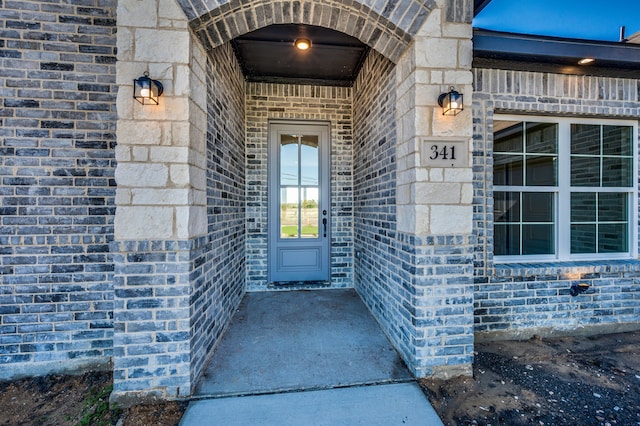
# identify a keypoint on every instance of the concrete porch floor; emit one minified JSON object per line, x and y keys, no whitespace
{"x":300,"y":340}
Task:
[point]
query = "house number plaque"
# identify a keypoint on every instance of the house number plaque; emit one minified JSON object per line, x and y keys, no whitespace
{"x":444,"y":153}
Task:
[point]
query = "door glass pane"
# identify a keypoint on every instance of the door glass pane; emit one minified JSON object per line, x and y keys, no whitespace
{"x":309,"y":212}
{"x":309,"y":171}
{"x":288,"y":160}
{"x":309,"y":160}
{"x":289,"y":212}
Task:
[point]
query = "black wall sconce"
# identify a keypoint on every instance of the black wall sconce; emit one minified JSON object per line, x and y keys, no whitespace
{"x":451,"y":102}
{"x":576,"y":289}
{"x":146,"y":90}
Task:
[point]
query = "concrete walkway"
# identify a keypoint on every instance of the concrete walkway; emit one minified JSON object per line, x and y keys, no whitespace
{"x":306,"y":358}
{"x":400,"y":404}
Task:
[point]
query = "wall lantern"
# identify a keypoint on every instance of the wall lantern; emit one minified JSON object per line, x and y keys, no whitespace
{"x":451,"y":102}
{"x":146,"y":90}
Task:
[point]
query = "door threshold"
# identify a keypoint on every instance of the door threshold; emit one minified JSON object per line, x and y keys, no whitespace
{"x":298,"y":285}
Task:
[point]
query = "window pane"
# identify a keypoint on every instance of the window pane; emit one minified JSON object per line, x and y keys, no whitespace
{"x":583,"y":207}
{"x":541,"y":171}
{"x":616,"y":172}
{"x":507,"y":170}
{"x":583,"y":239}
{"x":585,"y":171}
{"x":506,"y":206}
{"x":289,"y":212}
{"x":585,"y":139}
{"x":612,"y":238}
{"x":537,"y":207}
{"x":542,"y":138}
{"x":506,"y":240}
{"x":507,"y":136}
{"x":612,"y":207}
{"x":537,"y":239}
{"x":616,"y":140}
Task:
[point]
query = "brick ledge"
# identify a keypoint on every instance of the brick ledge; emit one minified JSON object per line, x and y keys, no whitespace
{"x":566,"y":268}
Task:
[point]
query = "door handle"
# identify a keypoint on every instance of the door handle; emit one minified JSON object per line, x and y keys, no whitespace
{"x":324,"y":224}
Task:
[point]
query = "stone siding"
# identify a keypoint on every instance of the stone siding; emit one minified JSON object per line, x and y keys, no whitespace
{"x":265,"y":101}
{"x":518,"y":300}
{"x":57,"y":136}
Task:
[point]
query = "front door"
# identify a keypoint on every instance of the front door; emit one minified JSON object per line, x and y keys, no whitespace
{"x":299,"y":202}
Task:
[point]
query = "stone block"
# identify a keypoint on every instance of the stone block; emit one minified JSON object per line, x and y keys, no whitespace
{"x":135,"y":132}
{"x":436,"y":193}
{"x":160,"y":197}
{"x":138,"y":13}
{"x":142,"y":175}
{"x":133,"y":223}
{"x":170,"y":46}
{"x":437,"y":53}
{"x":451,"y":220}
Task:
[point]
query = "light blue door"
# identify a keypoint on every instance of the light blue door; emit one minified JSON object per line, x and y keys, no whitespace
{"x":299,"y":202}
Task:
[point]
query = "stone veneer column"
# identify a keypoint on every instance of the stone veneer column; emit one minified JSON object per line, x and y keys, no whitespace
{"x":434,"y":203}
{"x":161,"y":201}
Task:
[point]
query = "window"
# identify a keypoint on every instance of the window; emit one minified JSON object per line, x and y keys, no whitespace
{"x":563,"y":188}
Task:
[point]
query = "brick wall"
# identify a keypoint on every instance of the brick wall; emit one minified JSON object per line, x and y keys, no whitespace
{"x":374,"y":180}
{"x":518,"y":300}
{"x":57,"y":135}
{"x":385,"y":25}
{"x":418,"y":288}
{"x":279,"y":101}
{"x":219,"y":278}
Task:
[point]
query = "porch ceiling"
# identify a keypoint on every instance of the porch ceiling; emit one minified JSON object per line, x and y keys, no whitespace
{"x":269,"y":55}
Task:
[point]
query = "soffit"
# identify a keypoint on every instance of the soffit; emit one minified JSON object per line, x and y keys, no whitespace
{"x":553,"y":54}
{"x":269,"y":55}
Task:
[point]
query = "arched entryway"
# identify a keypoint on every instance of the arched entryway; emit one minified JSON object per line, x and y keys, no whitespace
{"x":191,"y":222}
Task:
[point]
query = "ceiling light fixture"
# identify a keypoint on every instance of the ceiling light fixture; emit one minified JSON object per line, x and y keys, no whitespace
{"x":302,"y":44}
{"x":586,"y":61}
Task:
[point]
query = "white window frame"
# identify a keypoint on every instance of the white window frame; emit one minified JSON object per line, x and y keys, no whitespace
{"x":562,"y":198}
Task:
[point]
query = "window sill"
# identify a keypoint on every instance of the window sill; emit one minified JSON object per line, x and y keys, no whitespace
{"x":566,"y":268}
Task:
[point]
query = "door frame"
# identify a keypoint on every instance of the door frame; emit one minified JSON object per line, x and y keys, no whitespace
{"x":273,"y":197}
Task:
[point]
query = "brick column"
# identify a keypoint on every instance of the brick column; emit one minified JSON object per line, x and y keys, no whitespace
{"x":434,"y":199}
{"x":161,"y":201}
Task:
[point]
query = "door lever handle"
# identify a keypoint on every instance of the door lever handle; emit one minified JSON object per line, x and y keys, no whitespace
{"x":324,"y":224}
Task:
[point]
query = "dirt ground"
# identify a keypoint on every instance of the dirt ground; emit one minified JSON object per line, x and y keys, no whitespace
{"x":561,"y":381}
{"x":76,"y":400}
